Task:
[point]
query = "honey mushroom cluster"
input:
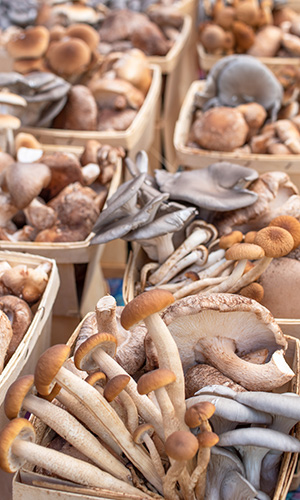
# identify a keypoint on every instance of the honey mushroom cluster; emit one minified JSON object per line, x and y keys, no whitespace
{"x":21,"y":287}
{"x":53,"y":196}
{"x":260,"y":29}
{"x":173,"y":443}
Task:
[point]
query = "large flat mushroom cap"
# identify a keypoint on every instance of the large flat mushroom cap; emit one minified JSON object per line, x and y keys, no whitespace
{"x":250,"y":325}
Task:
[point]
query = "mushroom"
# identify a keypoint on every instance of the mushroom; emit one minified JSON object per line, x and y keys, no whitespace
{"x":253,"y":443}
{"x":116,"y":93}
{"x":157,"y":381}
{"x":201,"y":375}
{"x":114,"y":388}
{"x":146,"y":307}
{"x":142,"y":435}
{"x":80,"y":111}
{"x":64,"y":169}
{"x":223,"y":338}
{"x":18,"y":446}
{"x":98,"y":358}
{"x":206,"y":440}
{"x":85,"y":32}
{"x":218,"y":187}
{"x":25,"y":181}
{"x":181,"y":446}
{"x":50,"y":368}
{"x":6,"y":334}
{"x":20,"y":396}
{"x":244,"y":79}
{"x":69,"y":57}
{"x":27,"y":283}
{"x":29,"y":43}
{"x":39,"y":215}
{"x":20,"y":316}
{"x":8,"y":123}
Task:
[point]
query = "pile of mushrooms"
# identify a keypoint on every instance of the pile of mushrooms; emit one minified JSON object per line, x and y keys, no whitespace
{"x":244,"y":108}
{"x":21,"y":287}
{"x":52,"y":197}
{"x":133,"y":432}
{"x":260,"y":29}
{"x":18,"y":13}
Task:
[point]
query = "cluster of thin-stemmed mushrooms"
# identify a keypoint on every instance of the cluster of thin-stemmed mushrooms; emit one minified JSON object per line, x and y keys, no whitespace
{"x":133,"y":433}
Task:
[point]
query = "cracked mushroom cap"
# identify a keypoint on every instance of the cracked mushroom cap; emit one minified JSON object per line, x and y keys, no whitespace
{"x":16,"y":394}
{"x":25,"y":181}
{"x":48,"y":366}
{"x":19,"y":428}
{"x":83,"y":358}
{"x":250,"y":325}
{"x":69,"y":56}
{"x":29,"y":43}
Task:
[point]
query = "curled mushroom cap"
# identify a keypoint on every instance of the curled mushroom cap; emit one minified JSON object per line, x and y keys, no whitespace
{"x":84,"y":354}
{"x":15,"y":395}
{"x":49,"y":364}
{"x":25,"y":181}
{"x":19,"y":428}
{"x":246,"y":327}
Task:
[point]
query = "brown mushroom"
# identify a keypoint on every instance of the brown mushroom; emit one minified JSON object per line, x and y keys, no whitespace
{"x":25,"y":181}
{"x":6,"y":334}
{"x":20,"y":315}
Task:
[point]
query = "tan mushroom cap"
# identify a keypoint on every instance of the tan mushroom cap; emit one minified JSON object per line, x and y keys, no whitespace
{"x":16,"y":394}
{"x":114,"y":386}
{"x":207,"y":439}
{"x":25,"y":66}
{"x":7,"y":97}
{"x":144,"y":305}
{"x":249,"y":237}
{"x":199,"y":412}
{"x":181,"y":445}
{"x":275,"y":241}
{"x":291,"y":224}
{"x":96,"y":378}
{"x":141,"y":431}
{"x":25,"y":181}
{"x":253,"y":291}
{"x":29,"y":43}
{"x":49,"y":397}
{"x":83,"y":358}
{"x":9,"y":122}
{"x":19,"y":428}
{"x":154,"y":380}
{"x":69,"y":57}
{"x":227,"y":240}
{"x":85,"y":32}
{"x":241,"y":251}
{"x":24,"y":140}
{"x":48,"y":366}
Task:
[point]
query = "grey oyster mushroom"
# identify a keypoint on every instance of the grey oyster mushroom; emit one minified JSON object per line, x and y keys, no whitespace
{"x":45,"y":95}
{"x":239,"y":79}
{"x":18,"y":13}
{"x":222,"y":338}
{"x":253,"y":443}
{"x":219,"y":187}
{"x":157,"y":237}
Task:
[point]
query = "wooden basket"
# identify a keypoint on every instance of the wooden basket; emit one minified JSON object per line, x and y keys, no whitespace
{"x":28,"y":485}
{"x":67,"y":255}
{"x":139,"y":135}
{"x":206,"y":61}
{"x":198,"y":158}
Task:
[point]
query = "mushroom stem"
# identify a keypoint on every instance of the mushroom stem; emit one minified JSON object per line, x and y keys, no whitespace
{"x":155,"y":457}
{"x":170,"y":421}
{"x":71,"y":468}
{"x":171,"y":479}
{"x":148,"y":411}
{"x":76,"y":434}
{"x":106,"y":315}
{"x":220,"y":351}
{"x":233,"y":277}
{"x":165,"y":246}
{"x":197,"y":237}
{"x":198,"y":476}
{"x":183,"y":263}
{"x":251,"y":275}
{"x":197,"y":286}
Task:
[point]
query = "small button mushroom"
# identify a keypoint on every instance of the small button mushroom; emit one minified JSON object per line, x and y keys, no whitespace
{"x":18,"y":446}
{"x":69,"y":57}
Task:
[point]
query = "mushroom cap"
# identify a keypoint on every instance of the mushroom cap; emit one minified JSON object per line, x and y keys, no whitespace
{"x":207,"y":439}
{"x":248,"y":323}
{"x":20,"y":315}
{"x":83,"y":358}
{"x":141,"y":431}
{"x":227,"y":240}
{"x":9,"y":122}
{"x":154,"y":380}
{"x":96,"y":378}
{"x":7,"y":97}
{"x":48,"y":366}
{"x":115,"y":385}
{"x":19,"y":428}
{"x":24,"y":140}
{"x":220,"y":186}
{"x":25,"y":181}
{"x":32,"y":42}
{"x":85,"y":32}
{"x":241,"y":251}
{"x":144,"y":305}
{"x":253,"y":291}
{"x":199,"y":412}
{"x":276,"y":241}
{"x":257,"y":436}
{"x":291,"y":224}
{"x":15,"y":395}
{"x":181,"y":445}
{"x":220,"y":129}
{"x":65,"y":169}
{"x":69,"y":57}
